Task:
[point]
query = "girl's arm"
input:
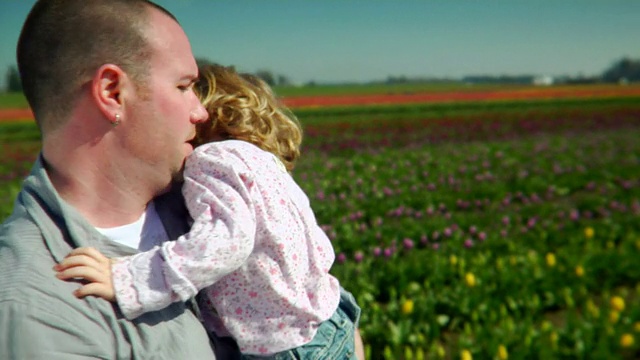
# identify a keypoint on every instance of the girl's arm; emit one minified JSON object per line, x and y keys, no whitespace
{"x":218,"y":191}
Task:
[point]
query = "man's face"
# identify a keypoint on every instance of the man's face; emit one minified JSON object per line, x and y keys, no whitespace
{"x":165,"y":111}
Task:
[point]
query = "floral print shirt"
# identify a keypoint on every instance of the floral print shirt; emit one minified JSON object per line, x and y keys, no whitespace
{"x":254,"y":247}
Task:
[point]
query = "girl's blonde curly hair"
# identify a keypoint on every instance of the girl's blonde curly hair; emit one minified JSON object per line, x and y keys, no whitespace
{"x":243,"y":107}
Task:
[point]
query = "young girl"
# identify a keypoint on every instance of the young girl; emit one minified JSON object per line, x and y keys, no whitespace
{"x":255,"y":247}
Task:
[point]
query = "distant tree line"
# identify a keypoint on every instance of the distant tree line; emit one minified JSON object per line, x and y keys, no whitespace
{"x":268,"y":76}
{"x":622,"y":71}
{"x":13,"y":79}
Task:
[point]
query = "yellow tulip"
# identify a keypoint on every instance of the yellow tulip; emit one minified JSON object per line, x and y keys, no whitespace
{"x":470,"y":280}
{"x":465,"y":355}
{"x":627,"y":340}
{"x":502,"y":353}
{"x":636,"y":326}
{"x":614,"y":316}
{"x":579,"y":271}
{"x":617,"y":303}
{"x":453,"y":260}
{"x":407,"y":307}
{"x":551,"y":259}
{"x":589,"y":232}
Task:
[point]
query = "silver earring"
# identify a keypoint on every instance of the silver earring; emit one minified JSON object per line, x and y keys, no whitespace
{"x":117,"y":121}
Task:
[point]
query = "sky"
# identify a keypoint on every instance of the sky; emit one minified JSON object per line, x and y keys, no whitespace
{"x":329,"y":41}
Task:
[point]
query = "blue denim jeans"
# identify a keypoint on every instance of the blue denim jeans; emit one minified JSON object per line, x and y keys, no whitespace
{"x":335,"y":339}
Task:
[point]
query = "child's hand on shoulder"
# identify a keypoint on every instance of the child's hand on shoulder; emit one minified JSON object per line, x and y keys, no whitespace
{"x":90,"y":265}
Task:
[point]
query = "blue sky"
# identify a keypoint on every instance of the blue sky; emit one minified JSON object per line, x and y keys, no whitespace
{"x":360,"y":40}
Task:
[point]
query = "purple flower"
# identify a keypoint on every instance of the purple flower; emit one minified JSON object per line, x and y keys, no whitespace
{"x":574,"y":215}
{"x":341,"y":258}
{"x":408,"y":244}
{"x":482,"y":236}
{"x":468,"y":243}
{"x":388,"y":252}
{"x":377,"y":251}
{"x":358,"y":256}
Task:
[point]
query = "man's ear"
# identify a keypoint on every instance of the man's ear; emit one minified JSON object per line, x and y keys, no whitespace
{"x":106,"y":89}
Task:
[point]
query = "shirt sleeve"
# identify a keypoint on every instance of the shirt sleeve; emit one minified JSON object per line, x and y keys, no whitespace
{"x":218,"y":189}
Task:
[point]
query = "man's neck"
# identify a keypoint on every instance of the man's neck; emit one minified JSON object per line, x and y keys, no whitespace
{"x":89,"y":182}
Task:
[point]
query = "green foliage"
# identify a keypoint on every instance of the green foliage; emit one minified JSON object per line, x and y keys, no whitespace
{"x":13,"y":100}
{"x":19,"y":132}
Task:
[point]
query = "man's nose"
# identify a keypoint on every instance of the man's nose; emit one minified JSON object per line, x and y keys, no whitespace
{"x":199,"y":114}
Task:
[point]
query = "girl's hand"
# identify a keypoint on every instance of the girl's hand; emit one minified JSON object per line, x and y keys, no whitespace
{"x":88,"y":264}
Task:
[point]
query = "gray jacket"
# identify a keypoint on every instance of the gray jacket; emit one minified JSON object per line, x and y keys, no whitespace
{"x":40,"y":318}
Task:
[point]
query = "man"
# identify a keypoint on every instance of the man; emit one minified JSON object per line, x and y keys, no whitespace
{"x":110,"y":85}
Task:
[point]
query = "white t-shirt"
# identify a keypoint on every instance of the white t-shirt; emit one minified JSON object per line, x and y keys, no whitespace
{"x":143,"y":234}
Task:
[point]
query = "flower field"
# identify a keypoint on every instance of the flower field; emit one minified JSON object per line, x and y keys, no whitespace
{"x":481,"y":230}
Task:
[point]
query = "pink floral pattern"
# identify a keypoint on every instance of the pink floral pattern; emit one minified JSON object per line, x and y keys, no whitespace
{"x":255,"y":248}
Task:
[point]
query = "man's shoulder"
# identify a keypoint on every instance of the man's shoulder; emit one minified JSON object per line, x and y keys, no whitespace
{"x":18,"y":233}
{"x":23,"y":258}
{"x":17,"y":223}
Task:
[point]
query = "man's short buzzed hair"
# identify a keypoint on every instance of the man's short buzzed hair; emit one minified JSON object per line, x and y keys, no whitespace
{"x":63,"y":43}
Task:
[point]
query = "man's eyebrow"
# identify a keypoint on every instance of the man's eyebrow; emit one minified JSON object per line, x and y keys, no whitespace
{"x":190,"y":78}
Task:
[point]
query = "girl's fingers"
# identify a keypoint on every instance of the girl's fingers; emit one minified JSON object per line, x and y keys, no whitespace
{"x":95,"y":289}
{"x":83,"y":272}
{"x":90,"y":252}
{"x":81,"y":260}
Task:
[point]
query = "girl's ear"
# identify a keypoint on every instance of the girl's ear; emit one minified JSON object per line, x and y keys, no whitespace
{"x":106,"y":88}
